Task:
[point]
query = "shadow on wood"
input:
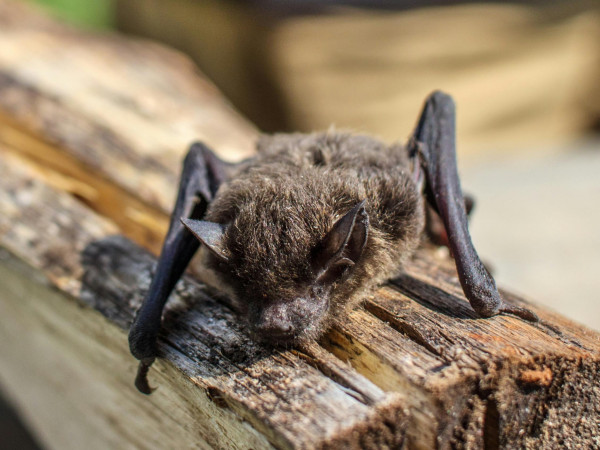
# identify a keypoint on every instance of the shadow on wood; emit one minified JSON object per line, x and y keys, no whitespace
{"x":413,"y":367}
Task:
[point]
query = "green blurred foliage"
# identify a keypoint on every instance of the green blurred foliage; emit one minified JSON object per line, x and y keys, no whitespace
{"x":86,"y":13}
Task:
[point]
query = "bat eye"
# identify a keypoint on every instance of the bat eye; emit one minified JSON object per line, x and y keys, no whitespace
{"x":336,"y":271}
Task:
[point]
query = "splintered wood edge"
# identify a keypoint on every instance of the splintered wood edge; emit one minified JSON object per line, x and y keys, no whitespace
{"x":415,"y":358}
{"x":402,"y":361}
{"x":280,"y":394}
{"x":144,"y":223}
{"x":78,"y":368}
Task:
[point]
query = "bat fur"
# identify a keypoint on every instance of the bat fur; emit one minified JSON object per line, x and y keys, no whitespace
{"x":281,"y":205}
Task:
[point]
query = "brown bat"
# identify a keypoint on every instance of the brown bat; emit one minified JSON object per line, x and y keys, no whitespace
{"x":307,"y":228}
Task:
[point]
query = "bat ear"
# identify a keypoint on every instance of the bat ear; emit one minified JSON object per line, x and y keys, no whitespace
{"x":342,"y":247}
{"x":210,"y":234}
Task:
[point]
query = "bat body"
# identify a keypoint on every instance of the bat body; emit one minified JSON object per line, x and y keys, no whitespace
{"x":279,"y":209}
{"x":308,"y":227}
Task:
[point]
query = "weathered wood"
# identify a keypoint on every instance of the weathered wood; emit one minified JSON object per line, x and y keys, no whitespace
{"x":287,"y":400}
{"x":433,"y":373}
{"x":115,"y":114}
{"x":413,"y":368}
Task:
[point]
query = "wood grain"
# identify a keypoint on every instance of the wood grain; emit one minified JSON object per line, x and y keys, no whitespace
{"x":414,"y":368}
{"x":279,"y":393}
{"x":116,"y":105}
{"x":419,"y":364}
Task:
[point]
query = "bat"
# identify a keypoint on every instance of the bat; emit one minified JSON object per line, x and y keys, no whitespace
{"x":307,"y":228}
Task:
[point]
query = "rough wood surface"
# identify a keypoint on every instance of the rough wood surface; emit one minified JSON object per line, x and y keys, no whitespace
{"x":117,"y":114}
{"x":413,"y":368}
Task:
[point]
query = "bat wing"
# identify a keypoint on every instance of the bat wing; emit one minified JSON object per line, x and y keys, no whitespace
{"x":203,"y":172}
{"x":433,"y":143}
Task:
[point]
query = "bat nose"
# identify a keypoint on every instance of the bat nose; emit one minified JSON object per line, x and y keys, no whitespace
{"x":275,"y":328}
{"x":275,"y":323}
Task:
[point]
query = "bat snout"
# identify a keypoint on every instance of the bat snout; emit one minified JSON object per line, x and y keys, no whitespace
{"x":275,"y":323}
{"x":287,"y":321}
{"x":274,"y":328}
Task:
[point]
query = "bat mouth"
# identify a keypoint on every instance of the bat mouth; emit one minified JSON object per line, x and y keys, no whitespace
{"x":282,"y":323}
{"x":275,"y":332}
{"x":277,"y":338}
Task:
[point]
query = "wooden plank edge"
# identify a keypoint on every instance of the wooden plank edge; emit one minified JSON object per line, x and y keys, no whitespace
{"x":32,"y":207}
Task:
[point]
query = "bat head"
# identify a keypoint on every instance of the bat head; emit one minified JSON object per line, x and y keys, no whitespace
{"x":288,"y":272}
{"x":290,"y":236}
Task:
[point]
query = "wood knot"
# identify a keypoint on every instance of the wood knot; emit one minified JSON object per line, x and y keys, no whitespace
{"x":538,"y":377}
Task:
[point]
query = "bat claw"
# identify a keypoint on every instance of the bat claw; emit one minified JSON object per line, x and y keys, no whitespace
{"x":141,"y":379}
{"x":523,"y":313}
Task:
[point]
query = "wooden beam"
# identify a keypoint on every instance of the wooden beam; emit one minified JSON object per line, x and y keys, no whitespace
{"x":113,"y":115}
{"x":412,"y":368}
{"x":280,"y":394}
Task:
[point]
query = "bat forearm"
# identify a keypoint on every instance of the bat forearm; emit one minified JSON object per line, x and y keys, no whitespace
{"x":201,"y":177}
{"x":435,"y":139}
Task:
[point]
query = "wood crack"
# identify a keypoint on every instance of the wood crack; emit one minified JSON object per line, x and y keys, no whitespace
{"x":414,"y":369}
{"x":403,"y":327}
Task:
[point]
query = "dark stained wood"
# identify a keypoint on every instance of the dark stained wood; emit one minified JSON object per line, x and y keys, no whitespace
{"x":412,"y":368}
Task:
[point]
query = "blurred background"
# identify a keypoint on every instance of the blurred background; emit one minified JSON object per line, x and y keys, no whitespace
{"x":525,"y":76}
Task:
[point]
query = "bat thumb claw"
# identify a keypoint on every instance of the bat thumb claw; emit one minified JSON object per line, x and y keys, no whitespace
{"x":523,"y":313}
{"x":141,"y":379}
